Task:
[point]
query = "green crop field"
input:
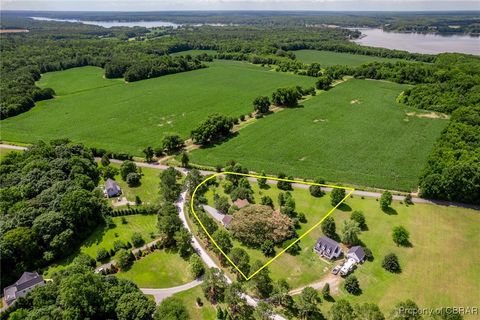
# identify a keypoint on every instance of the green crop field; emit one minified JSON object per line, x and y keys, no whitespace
{"x":329,"y":58}
{"x":354,"y":133}
{"x":127,"y":117}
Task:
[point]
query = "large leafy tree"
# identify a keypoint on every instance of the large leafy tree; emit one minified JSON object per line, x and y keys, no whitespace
{"x":171,"y":309}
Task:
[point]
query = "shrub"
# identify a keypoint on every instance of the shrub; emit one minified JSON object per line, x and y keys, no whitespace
{"x":351,"y":285}
{"x":133,"y":179}
{"x":390,"y":263}
{"x":137,"y":240}
{"x":401,"y":236}
{"x":102,"y":254}
{"x":124,"y":259}
{"x":118,"y":245}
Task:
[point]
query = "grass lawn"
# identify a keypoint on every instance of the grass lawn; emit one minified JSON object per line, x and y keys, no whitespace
{"x":188,"y":297}
{"x":160,"y":269}
{"x":439,"y":270}
{"x":127,"y":117}
{"x":148,"y":190}
{"x":103,"y":237}
{"x":354,"y":133}
{"x":330,"y":58}
{"x":193,"y":53}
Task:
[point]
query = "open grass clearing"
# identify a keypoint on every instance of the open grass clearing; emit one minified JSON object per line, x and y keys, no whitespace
{"x":205,"y":312}
{"x":365,"y":143}
{"x":159,"y":269}
{"x":127,"y":117}
{"x":330,"y":58}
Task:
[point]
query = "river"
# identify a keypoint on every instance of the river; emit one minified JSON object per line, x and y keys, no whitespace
{"x":419,"y":42}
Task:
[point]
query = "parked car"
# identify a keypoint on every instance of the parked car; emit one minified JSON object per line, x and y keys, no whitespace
{"x":336,"y":269}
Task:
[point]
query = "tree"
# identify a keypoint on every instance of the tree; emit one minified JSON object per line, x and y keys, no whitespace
{"x":168,"y":222}
{"x":133,"y":179}
{"x":266,"y":201}
{"x":342,"y":310}
{"x":368,"y":311}
{"x":124,"y":259}
{"x":102,"y":254}
{"x":283,"y":185}
{"x":185,"y":159}
{"x":135,"y":306}
{"x":385,"y":200}
{"x":390,"y":263}
{"x":326,"y":291}
{"x":192,"y":180}
{"x":149,"y":153}
{"x":172,"y":143}
{"x":242,"y":260}
{"x":237,"y":305}
{"x":126,"y":168}
{"x":307,"y":303}
{"x":183,"y":241}
{"x":105,"y":160}
{"x":359,"y":218}
{"x":280,"y":294}
{"x":263,"y":311}
{"x":323,"y":83}
{"x":350,"y":233}
{"x":262,"y":182}
{"x":215,"y":127}
{"x":288,"y":207}
{"x":196,"y":266}
{"x":401,"y":236}
{"x":261,"y":104}
{"x":214,"y":285}
{"x":171,"y":308}
{"x":351,"y":285}
{"x":315,"y":190}
{"x":329,"y":228}
{"x":287,"y":97}
{"x":223,"y":240}
{"x":268,"y":248}
{"x":336,"y":196}
{"x":109,"y":172}
{"x":261,"y":282}
{"x":406,"y":310}
{"x":137,"y":240}
{"x":169,"y":187}
{"x":222,"y":204}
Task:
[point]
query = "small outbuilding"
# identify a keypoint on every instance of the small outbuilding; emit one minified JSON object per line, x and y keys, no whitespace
{"x":227,"y":219}
{"x":356,"y":253}
{"x":112,"y":189}
{"x":240,"y":203}
{"x":25,"y":284}
{"x":328,"y":248}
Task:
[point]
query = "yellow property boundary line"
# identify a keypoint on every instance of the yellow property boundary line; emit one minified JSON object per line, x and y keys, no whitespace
{"x":268,"y":178}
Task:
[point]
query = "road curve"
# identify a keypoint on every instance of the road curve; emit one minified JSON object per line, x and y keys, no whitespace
{"x":160,"y":294}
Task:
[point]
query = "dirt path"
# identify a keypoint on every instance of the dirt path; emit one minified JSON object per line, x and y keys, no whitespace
{"x":333,"y":280}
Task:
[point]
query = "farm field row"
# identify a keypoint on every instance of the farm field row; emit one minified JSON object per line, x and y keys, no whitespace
{"x":127,"y":117}
{"x":354,"y":133}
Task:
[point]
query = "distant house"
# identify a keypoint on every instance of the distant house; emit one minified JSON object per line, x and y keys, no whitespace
{"x":25,"y":284}
{"x":227,"y":219}
{"x":356,"y":253}
{"x":240,"y":203}
{"x":112,"y":189}
{"x":328,"y":248}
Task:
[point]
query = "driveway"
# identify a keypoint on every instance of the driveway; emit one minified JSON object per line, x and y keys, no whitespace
{"x":160,"y":294}
{"x":214,"y":213}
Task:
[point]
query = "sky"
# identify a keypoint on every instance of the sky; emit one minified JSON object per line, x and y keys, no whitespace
{"x":317,"y":5}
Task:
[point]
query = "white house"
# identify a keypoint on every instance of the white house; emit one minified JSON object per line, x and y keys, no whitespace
{"x":356,"y":253}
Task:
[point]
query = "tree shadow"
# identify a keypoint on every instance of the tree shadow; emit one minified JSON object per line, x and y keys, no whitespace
{"x":344,"y":207}
{"x":329,"y":299}
{"x":265,"y":187}
{"x":219,"y":141}
{"x":390,"y":211}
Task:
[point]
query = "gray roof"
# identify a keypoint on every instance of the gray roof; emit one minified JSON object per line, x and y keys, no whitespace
{"x":358,"y":251}
{"x":111,"y":186}
{"x":27,"y":280}
{"x":327,"y":246}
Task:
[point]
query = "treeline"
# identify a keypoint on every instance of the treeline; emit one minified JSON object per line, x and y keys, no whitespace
{"x":49,"y":203}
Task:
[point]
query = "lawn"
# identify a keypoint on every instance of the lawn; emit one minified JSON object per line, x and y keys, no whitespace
{"x":104,"y":237}
{"x":148,"y":190}
{"x":188,"y":297}
{"x":330,"y":58}
{"x":443,"y":257}
{"x":160,"y":269}
{"x":355,"y":133}
{"x":127,"y":117}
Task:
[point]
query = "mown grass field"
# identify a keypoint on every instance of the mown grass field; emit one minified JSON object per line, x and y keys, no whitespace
{"x":329,"y":58}
{"x":159,"y":269}
{"x":127,"y":117}
{"x":354,"y":133}
{"x":443,"y":256}
{"x":205,"y":312}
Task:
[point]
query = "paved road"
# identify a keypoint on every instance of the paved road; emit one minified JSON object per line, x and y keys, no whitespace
{"x":160,"y":294}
